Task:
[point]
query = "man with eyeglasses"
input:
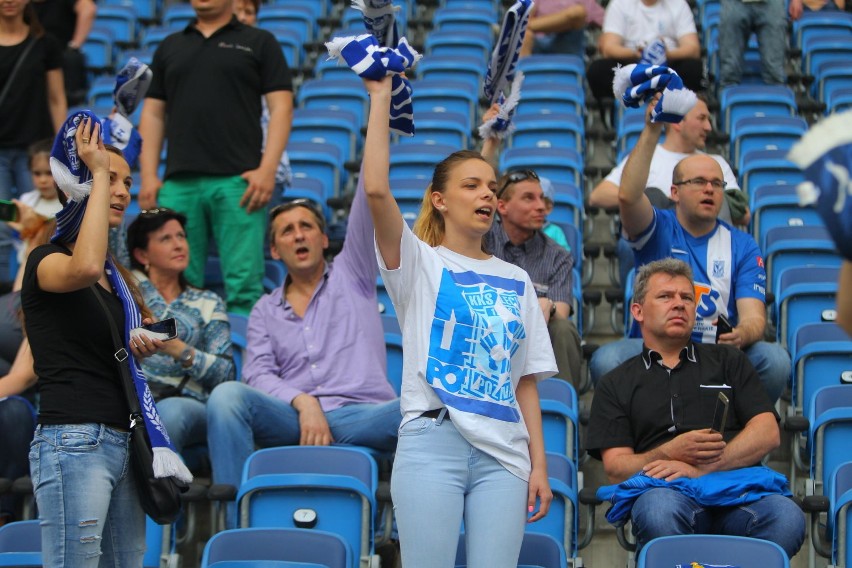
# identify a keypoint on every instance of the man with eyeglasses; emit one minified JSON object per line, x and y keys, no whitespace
{"x":656,"y":415}
{"x":730,"y":279}
{"x":315,"y":364}
{"x":517,"y":237}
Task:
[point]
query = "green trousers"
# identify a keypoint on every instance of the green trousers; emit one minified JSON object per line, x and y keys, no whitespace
{"x":212,"y":208}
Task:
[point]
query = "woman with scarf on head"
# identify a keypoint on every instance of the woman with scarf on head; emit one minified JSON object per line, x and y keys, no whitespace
{"x":85,"y":489}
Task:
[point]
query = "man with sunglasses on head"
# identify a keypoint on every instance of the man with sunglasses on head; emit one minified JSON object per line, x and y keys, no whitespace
{"x":730,"y":279}
{"x":517,"y":237}
{"x":315,"y":365}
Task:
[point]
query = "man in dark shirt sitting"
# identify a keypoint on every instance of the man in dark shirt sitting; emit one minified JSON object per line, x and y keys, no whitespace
{"x":653,"y":414}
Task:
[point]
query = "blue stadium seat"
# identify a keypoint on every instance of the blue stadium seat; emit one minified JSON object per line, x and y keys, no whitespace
{"x":712,"y":549}
{"x":803,"y":295}
{"x":298,"y":18}
{"x":560,"y":165}
{"x":416,"y":160}
{"x":291,"y":43}
{"x":832,"y":75}
{"x":537,"y":551}
{"x":562,"y":521}
{"x":838,"y":100}
{"x":797,"y":246}
{"x":822,"y":47}
{"x":409,"y":201}
{"x":559,"y":413}
{"x":463,"y":20}
{"x":276,"y":548}
{"x":120,"y":20}
{"x":830,"y":431}
{"x":443,"y":128}
{"x":764,"y":133}
{"x":98,"y":49}
{"x":319,"y":161}
{"x":319,"y":8}
{"x":468,"y":70}
{"x":335,"y":94}
{"x":839,"y":522}
{"x":337,"y":483}
{"x":331,"y":69}
{"x":768,"y":167}
{"x":100,"y":92}
{"x":146,"y":10}
{"x":325,"y":126}
{"x":385,"y":305}
{"x":309,"y":188}
{"x":752,"y":100}
{"x":548,"y":131}
{"x":778,"y":206}
{"x":432,"y":95}
{"x":815,"y":24}
{"x":472,"y":44}
{"x":552,"y":68}
{"x":821,"y":354}
{"x":20,"y":544}
{"x":275,"y":272}
{"x":544,"y":98}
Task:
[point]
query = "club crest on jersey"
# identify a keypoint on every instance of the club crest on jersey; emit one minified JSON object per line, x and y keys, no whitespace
{"x":718,"y":268}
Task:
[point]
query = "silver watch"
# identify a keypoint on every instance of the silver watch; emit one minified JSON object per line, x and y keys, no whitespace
{"x":186,"y":356}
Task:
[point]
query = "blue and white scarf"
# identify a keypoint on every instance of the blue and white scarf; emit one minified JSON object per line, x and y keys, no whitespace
{"x":501,"y":71}
{"x":369,"y":60}
{"x":636,"y":83}
{"x":825,"y":155}
{"x":131,"y":84}
{"x":504,"y":57}
{"x":74,"y":178}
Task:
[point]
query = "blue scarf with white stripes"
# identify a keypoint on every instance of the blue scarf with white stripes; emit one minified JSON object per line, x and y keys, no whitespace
{"x":637,"y":83}
{"x":74,"y":179}
{"x":380,"y":21}
{"x":501,"y":75}
{"x":131,"y":84}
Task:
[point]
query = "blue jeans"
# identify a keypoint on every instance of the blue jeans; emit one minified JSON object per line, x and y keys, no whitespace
{"x":770,"y":360}
{"x":438,"y":479}
{"x":16,"y":425}
{"x":86,"y":495}
{"x":241,"y":418}
{"x":15,"y":177}
{"x":185,"y":419}
{"x":738,"y":20}
{"x":664,"y":512}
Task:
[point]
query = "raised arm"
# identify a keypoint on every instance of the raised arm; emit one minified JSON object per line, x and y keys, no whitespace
{"x":387,"y":218}
{"x":61,"y":273}
{"x":634,"y":207}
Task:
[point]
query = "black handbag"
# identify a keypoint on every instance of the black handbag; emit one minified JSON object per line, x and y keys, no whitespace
{"x":160,"y":496}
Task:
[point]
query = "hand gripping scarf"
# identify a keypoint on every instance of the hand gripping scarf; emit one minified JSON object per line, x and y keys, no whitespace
{"x":636,"y":83}
{"x":131,"y":84}
{"x":501,"y":71}
{"x":825,"y":155}
{"x":74,"y":178}
{"x":389,"y":55}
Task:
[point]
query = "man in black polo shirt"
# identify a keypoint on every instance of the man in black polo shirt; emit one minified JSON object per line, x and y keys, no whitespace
{"x":653,"y":414}
{"x":517,"y":238}
{"x":205,"y":99}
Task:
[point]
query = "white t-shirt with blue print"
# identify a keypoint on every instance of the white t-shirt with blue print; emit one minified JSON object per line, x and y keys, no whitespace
{"x":726,"y":266}
{"x":470,"y":330}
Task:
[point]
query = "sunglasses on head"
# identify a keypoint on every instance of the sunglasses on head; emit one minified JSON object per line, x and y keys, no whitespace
{"x":310,"y":204}
{"x":156,"y":212}
{"x":516,"y":177}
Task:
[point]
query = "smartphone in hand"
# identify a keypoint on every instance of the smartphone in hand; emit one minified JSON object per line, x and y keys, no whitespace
{"x":8,"y":210}
{"x":162,"y":330}
{"x":723,"y":326}
{"x":720,"y":414}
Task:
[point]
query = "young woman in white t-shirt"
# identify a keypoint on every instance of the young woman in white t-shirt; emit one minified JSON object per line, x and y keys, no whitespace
{"x":475,"y":343}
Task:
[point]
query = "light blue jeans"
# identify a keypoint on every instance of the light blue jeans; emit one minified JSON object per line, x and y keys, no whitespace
{"x":738,"y":20}
{"x":241,"y":418}
{"x":438,"y":479}
{"x":770,"y":360}
{"x":185,"y":419}
{"x":664,"y":512}
{"x":86,"y":495}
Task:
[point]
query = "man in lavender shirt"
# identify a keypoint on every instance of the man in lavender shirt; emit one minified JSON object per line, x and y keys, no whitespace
{"x":315,"y":366}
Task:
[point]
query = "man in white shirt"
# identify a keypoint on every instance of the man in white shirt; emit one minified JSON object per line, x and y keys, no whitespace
{"x":631,"y":26}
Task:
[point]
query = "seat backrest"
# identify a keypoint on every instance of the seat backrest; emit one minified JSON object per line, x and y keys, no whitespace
{"x":393,"y":345}
{"x":20,"y":544}
{"x":712,"y":549}
{"x":537,"y":550}
{"x":270,"y":544}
